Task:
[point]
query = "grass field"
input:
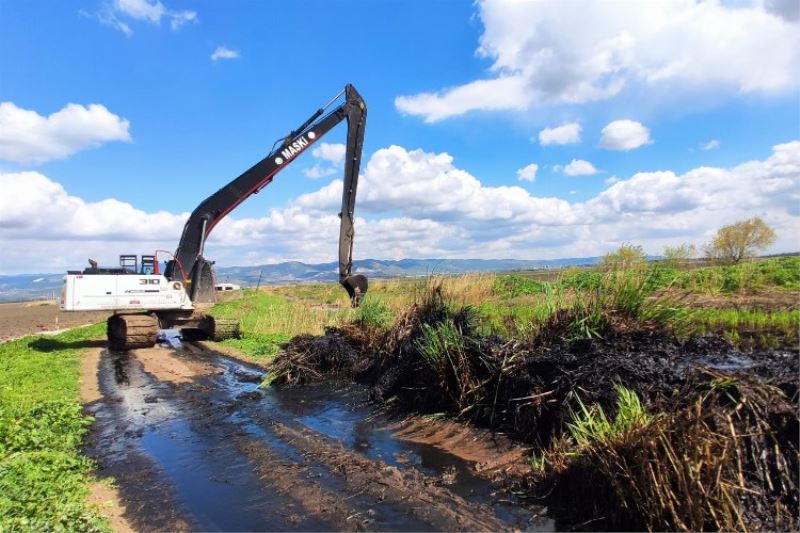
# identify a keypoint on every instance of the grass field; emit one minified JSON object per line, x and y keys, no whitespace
{"x":44,"y":478}
{"x":516,"y":305}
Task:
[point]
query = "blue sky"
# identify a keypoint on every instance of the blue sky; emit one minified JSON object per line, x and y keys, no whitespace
{"x":475,"y":82}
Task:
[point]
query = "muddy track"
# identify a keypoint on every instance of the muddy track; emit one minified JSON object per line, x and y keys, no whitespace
{"x":195,"y":445}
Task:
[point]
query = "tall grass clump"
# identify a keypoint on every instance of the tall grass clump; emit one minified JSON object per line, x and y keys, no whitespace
{"x":726,"y":460}
{"x":617,"y":301}
{"x":374,"y":313}
{"x":591,"y":424}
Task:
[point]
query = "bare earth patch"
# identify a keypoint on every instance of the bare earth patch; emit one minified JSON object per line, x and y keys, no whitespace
{"x":172,"y":366}
{"x":762,"y":300}
{"x":29,"y":318}
{"x":491,"y":453}
{"x":108,"y":499}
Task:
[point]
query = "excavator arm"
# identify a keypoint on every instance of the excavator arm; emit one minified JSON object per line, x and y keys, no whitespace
{"x":189,"y":265}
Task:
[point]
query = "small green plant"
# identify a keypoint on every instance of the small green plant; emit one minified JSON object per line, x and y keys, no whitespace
{"x":260,"y":346}
{"x":374,"y":313}
{"x":438,"y":341}
{"x":591,"y":424}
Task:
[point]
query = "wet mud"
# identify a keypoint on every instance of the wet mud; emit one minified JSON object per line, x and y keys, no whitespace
{"x":195,"y":444}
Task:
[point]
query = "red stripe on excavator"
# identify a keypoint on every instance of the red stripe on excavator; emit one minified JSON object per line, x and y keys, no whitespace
{"x":262,"y":183}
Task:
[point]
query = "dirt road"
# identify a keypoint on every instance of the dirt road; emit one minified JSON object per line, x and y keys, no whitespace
{"x":194,"y":444}
{"x":28,"y":318}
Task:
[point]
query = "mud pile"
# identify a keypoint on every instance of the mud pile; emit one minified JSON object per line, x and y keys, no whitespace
{"x":720,"y":452}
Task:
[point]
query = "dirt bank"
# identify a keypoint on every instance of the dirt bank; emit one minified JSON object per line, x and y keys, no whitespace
{"x":598,"y":382}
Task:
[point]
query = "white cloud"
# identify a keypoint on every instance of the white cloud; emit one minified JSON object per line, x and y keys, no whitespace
{"x":33,"y":206}
{"x":27,"y":137}
{"x":221,"y":52}
{"x":119,"y":13}
{"x":710,"y":145}
{"x":543,"y":54}
{"x":579,"y":167}
{"x":624,"y":135}
{"x":331,"y":156}
{"x":333,"y":153}
{"x":528,"y":173}
{"x":565,"y":134}
{"x":414,"y":203}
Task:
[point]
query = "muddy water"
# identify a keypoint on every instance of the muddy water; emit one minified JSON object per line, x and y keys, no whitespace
{"x":215,"y":452}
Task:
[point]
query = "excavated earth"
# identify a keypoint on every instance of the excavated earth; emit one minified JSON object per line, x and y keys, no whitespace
{"x":194,"y":444}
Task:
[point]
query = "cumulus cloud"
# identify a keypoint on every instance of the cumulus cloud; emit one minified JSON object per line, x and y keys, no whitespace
{"x":528,"y":173}
{"x":624,"y":135}
{"x":579,"y":167}
{"x":543,"y":54}
{"x":710,"y":145}
{"x":565,"y":134}
{"x":28,"y":137}
{"x":119,"y":13}
{"x":414,"y":203}
{"x":330,"y":157}
{"x":222,"y":52}
{"x":33,"y":206}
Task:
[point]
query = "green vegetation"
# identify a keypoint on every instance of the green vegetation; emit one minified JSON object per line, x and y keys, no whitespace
{"x":675,"y":256}
{"x":269,"y":320}
{"x":518,"y":305}
{"x":44,"y":479}
{"x":740,"y":240}
{"x":512,"y":285}
{"x":625,"y":257}
{"x":591,"y":424}
{"x":374,"y":313}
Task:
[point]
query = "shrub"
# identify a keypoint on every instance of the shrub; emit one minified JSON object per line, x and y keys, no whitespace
{"x":740,"y":240}
{"x":514,"y":285}
{"x":625,"y":257}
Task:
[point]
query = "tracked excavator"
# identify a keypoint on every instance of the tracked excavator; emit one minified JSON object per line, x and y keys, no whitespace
{"x":145,"y":300}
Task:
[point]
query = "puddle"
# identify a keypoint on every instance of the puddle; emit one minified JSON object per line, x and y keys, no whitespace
{"x":220,"y":447}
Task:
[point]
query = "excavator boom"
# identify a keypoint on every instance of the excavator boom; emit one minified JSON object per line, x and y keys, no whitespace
{"x":190,"y":267}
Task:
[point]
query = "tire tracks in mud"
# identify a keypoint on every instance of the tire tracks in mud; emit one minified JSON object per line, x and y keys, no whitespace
{"x":306,"y":480}
{"x":426,"y":500}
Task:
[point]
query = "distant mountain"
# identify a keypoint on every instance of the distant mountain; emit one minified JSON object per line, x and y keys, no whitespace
{"x":294,"y":272}
{"x":37,"y":286}
{"x":30,"y":287}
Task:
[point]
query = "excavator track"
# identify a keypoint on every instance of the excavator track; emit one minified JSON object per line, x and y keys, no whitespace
{"x":219,"y":329}
{"x":126,"y":332}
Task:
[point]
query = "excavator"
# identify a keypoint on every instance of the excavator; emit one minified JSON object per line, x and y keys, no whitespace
{"x":144,"y":300}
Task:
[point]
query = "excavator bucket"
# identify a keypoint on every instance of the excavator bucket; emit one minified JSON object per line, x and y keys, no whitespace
{"x":356,"y":286}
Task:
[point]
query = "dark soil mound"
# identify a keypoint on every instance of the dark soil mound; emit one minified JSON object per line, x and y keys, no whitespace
{"x":720,"y":452}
